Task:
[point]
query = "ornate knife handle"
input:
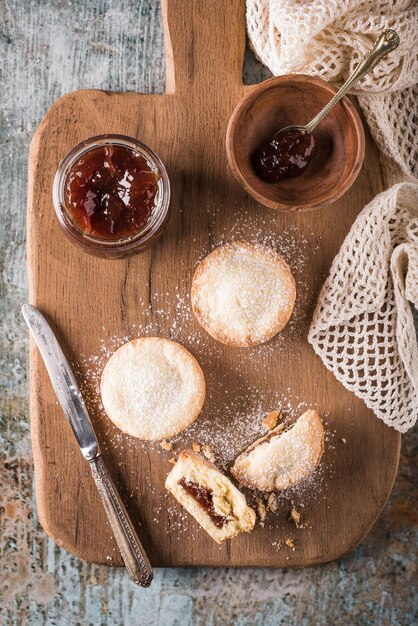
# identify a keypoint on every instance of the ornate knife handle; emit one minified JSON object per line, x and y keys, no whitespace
{"x":133,"y":554}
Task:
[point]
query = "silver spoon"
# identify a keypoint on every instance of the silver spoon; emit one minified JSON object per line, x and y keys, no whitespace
{"x":288,"y":153}
{"x":387,"y":41}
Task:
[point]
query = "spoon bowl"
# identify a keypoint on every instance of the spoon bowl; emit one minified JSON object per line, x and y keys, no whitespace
{"x":286,"y":155}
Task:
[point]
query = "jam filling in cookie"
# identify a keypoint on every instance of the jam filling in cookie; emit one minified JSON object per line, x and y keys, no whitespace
{"x":204,"y":496}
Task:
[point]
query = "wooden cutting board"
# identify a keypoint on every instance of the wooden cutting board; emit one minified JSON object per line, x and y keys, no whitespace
{"x":90,"y":301}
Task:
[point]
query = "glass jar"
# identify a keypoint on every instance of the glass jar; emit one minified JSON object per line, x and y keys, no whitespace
{"x":128,"y":245}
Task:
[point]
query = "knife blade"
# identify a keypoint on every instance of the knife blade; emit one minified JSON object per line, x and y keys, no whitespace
{"x":63,"y":381}
{"x":72,"y":403}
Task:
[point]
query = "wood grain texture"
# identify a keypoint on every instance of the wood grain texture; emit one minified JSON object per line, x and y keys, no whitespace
{"x":187,"y":129}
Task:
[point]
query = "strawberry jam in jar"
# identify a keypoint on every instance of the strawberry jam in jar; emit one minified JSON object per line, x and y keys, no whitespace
{"x":111,"y":196}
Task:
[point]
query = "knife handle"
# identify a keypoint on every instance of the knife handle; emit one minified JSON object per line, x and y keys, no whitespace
{"x":133,"y":554}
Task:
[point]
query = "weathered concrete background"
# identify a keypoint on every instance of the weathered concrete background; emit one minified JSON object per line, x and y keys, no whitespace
{"x":49,"y":48}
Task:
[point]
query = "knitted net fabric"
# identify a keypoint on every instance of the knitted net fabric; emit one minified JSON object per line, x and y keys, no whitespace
{"x":363,"y":327}
{"x":327,"y":38}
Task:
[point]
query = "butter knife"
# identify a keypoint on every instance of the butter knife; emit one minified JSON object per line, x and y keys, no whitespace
{"x":72,"y":403}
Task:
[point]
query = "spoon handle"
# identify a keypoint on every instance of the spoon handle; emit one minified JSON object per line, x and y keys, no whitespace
{"x":387,"y":41}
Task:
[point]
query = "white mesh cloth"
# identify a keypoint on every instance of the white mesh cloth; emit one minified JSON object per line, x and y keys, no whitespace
{"x":363,"y":328}
{"x":327,"y":38}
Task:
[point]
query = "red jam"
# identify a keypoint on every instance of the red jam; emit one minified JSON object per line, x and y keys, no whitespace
{"x":204,"y":497}
{"x":286,"y":155}
{"x":111,"y":192}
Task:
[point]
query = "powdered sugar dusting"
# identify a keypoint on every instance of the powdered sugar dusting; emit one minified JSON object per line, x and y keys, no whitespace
{"x":152,"y":388}
{"x":243,"y":294}
{"x":234,"y":408}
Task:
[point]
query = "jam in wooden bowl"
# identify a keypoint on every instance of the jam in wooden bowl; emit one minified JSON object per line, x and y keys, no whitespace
{"x":334,"y":161}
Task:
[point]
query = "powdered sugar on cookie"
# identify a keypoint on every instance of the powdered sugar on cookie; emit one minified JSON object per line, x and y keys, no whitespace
{"x":152,"y":388}
{"x":243,"y":294}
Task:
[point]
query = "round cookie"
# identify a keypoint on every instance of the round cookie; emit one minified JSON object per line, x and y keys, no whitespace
{"x":152,"y":388}
{"x":243,"y":294}
{"x":282,"y":459}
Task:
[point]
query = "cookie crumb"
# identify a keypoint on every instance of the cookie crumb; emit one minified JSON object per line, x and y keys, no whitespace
{"x":271,"y":419}
{"x":272,"y":502}
{"x":277,"y":544}
{"x":196,"y":447}
{"x":290,"y":542}
{"x":166,"y":445}
{"x":207,"y":452}
{"x":294,"y":516}
{"x":261,"y":510}
{"x":173,"y":461}
{"x":343,"y":440}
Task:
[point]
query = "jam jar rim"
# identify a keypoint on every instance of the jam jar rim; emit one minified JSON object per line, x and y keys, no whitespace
{"x":158,"y":216}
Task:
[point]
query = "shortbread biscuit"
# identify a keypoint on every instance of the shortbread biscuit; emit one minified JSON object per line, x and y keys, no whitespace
{"x":152,"y":388}
{"x":208,"y":495}
{"x":283,"y":458}
{"x":243,"y":294}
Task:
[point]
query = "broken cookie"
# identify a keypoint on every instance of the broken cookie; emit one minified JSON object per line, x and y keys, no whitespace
{"x":219,"y":507}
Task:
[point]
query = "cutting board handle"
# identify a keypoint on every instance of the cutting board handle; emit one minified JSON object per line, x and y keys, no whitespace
{"x":205,"y":43}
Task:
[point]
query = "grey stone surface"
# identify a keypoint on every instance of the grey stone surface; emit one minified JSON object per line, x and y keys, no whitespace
{"x":47,"y":49}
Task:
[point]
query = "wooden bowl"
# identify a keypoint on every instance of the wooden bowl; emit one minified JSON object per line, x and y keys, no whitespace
{"x":296,"y":99}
